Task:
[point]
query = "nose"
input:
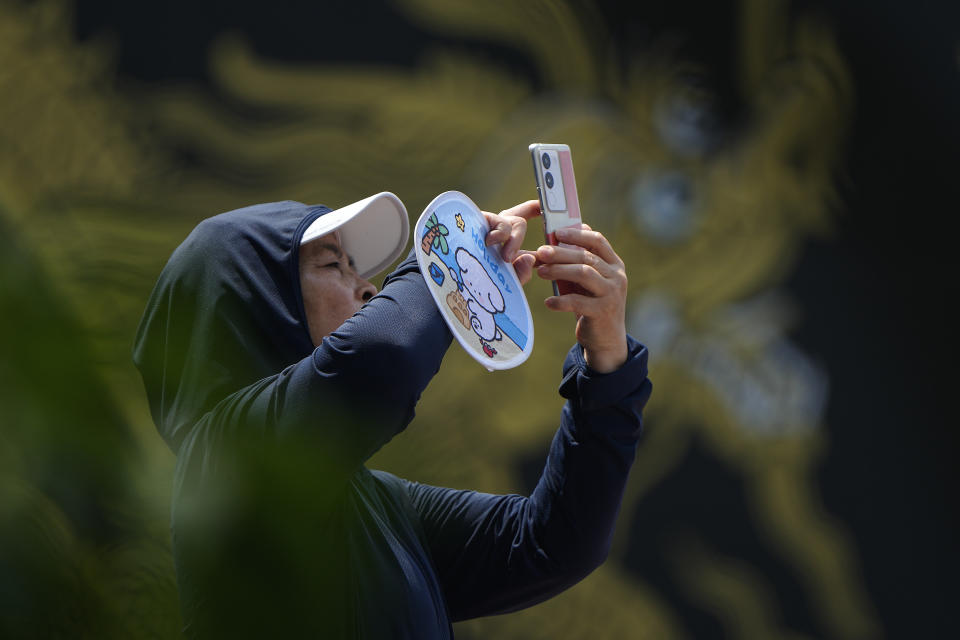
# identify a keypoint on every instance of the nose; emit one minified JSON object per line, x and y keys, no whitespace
{"x":366,"y":290}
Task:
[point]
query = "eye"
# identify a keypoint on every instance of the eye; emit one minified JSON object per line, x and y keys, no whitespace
{"x":334,"y":265}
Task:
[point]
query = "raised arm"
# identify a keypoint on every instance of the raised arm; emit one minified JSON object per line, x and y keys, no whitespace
{"x":499,"y":553}
{"x":355,"y":391}
{"x":496,"y":554}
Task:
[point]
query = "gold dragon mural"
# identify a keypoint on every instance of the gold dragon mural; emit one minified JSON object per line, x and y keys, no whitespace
{"x":92,"y":189}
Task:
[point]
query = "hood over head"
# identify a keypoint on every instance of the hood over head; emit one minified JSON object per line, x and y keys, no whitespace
{"x":226,"y":311}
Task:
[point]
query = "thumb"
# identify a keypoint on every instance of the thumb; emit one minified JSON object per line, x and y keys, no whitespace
{"x":523,"y":265}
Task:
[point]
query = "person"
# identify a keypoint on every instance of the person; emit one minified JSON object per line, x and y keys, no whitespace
{"x":274,"y":369}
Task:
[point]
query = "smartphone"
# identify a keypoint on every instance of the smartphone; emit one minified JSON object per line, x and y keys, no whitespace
{"x":557,"y":189}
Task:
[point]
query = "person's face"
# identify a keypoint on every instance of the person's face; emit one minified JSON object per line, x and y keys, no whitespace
{"x":332,"y":290}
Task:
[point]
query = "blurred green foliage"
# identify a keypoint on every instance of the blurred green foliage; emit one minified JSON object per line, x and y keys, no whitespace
{"x":79,"y":556}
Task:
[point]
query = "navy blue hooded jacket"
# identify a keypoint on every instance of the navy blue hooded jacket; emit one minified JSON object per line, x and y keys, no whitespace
{"x":278,"y":527}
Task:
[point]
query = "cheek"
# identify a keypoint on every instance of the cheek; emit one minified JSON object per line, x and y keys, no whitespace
{"x":316,"y":291}
{"x":328,"y":302}
{"x":311,"y":303}
{"x":311,"y":289}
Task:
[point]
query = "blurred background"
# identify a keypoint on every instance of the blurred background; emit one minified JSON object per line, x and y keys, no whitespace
{"x":778,"y":176}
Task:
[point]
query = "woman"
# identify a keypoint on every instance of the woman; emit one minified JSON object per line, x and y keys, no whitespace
{"x":274,"y":370}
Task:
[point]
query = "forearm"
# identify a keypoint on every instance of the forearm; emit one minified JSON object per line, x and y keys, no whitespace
{"x":577,"y":500}
{"x":501,"y":553}
{"x":377,"y":364}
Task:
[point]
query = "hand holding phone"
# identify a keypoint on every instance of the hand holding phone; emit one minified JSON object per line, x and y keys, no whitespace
{"x":557,"y":189}
{"x":586,"y":257}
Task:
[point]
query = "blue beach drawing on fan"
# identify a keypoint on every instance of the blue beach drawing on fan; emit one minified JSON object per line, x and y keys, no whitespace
{"x":478,"y":272}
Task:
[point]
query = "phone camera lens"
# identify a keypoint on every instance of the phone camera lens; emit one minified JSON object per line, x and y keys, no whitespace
{"x":548,"y":178}
{"x":546,"y":160}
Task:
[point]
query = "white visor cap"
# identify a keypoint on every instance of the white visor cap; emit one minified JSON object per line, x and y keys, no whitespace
{"x":373,"y":231}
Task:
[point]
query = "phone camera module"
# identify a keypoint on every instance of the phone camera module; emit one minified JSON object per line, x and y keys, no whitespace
{"x":548,"y":178}
{"x":546,"y":160}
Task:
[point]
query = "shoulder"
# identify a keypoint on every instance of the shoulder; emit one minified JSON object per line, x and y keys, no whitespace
{"x":389,"y":481}
{"x":398,"y":490}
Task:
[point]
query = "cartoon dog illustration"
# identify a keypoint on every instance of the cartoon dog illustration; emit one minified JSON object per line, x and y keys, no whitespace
{"x":485,"y":297}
